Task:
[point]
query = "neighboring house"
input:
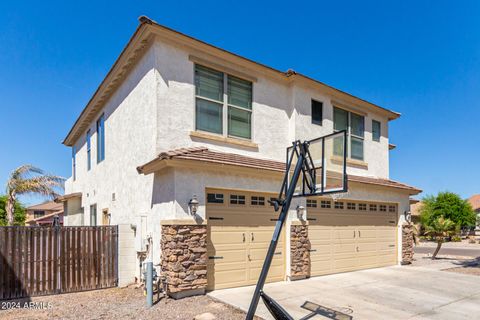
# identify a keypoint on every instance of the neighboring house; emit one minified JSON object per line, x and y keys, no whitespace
{"x":43,"y":214}
{"x":475,"y":203}
{"x":177,"y":119}
{"x":415,"y":206}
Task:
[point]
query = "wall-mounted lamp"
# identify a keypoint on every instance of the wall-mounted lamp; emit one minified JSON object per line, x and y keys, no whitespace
{"x":408,"y":216}
{"x":193,"y":205}
{"x":300,"y":212}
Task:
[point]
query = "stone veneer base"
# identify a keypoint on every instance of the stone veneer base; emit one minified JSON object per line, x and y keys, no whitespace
{"x":407,"y":243}
{"x":299,"y":252}
{"x":184,"y":259}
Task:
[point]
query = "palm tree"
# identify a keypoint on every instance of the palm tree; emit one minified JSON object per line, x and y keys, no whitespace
{"x":28,"y":179}
{"x":440,"y":229}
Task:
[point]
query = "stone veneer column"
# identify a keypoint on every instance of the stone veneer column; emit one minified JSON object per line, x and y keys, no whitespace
{"x":299,"y":252}
{"x":184,"y":259}
{"x":407,"y":243}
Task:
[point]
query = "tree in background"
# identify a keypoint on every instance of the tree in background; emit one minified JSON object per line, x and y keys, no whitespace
{"x":19,"y":213}
{"x":443,"y":215}
{"x":28,"y":179}
{"x":448,"y":205}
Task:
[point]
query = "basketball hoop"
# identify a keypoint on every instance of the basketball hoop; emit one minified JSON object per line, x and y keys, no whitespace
{"x":316,"y":167}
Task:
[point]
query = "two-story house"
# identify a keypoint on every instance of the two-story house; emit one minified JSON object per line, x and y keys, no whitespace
{"x":178,"y":120}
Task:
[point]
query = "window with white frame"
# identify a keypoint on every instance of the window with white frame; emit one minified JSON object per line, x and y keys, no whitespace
{"x":223,"y":103}
{"x":338,"y":205}
{"x":351,"y":206}
{"x":383,"y":208}
{"x":373,"y":207}
{"x":362,"y":206}
{"x":354,"y":124}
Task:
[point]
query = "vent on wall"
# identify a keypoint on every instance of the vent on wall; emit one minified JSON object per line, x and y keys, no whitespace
{"x":113,"y":196}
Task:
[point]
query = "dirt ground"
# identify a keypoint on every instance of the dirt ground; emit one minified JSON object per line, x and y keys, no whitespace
{"x":471,"y":267}
{"x":117,"y":303}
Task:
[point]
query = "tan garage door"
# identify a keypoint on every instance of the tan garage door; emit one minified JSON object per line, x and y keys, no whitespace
{"x":240,"y":227}
{"x":348,"y":235}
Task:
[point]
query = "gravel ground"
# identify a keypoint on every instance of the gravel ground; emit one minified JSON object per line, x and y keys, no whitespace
{"x":120,"y":303}
{"x":465,"y":265}
{"x":461,"y":244}
{"x":468,"y":267}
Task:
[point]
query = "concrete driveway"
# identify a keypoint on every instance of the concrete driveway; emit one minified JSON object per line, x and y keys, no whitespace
{"x":387,"y":293}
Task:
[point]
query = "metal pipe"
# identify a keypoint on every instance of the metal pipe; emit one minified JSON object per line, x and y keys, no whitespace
{"x":149,"y":284}
{"x":276,"y":234}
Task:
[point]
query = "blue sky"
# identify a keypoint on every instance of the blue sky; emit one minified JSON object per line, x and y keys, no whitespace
{"x":420,"y":58}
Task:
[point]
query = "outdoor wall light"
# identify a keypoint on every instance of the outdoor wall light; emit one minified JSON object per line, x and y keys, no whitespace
{"x":408,"y":216}
{"x":300,"y":212}
{"x":193,"y":205}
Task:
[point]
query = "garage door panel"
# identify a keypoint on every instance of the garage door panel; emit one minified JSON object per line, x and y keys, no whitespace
{"x":228,"y":255}
{"x":318,"y":233}
{"x":226,"y":279}
{"x":227,"y":236}
{"x":241,"y":235}
{"x":346,"y":240}
{"x":341,"y":234}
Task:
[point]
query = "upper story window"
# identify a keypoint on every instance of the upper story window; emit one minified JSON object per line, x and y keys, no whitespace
{"x":257,"y":201}
{"x":38,"y":213}
{"x":101,"y":138}
{"x":355,"y":126}
{"x":223,"y":103}
{"x":74,"y":163}
{"x":317,"y":112}
{"x":376,"y":130}
{"x":89,"y":156}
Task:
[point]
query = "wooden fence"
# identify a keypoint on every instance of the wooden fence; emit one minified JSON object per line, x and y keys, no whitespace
{"x":50,"y":260}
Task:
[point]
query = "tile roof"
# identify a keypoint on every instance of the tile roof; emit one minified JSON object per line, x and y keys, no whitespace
{"x":475,"y":201}
{"x":206,"y":155}
{"x":47,"y":206}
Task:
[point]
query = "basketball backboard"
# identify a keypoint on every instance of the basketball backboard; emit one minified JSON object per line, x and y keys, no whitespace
{"x":324,"y":170}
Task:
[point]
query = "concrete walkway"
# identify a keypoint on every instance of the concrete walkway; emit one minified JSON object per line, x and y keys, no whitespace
{"x":387,"y":293}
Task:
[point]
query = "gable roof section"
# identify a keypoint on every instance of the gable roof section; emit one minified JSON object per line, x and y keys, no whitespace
{"x":141,"y":39}
{"x":205,"y":155}
{"x":475,"y":201}
{"x":47,"y":206}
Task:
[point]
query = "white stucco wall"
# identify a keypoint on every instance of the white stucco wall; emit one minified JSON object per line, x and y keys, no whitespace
{"x":153,"y":110}
{"x":130,"y":133}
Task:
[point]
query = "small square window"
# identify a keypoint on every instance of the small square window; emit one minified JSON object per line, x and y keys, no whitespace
{"x":311,"y":203}
{"x":362,"y":206}
{"x":325,"y":204}
{"x":339,"y":205}
{"x":351,"y":206}
{"x":317,"y":112}
{"x":215,"y":198}
{"x":392,"y":208}
{"x":373,"y":207}
{"x":383,"y":208}
{"x":237,"y":199}
{"x":257,"y":201}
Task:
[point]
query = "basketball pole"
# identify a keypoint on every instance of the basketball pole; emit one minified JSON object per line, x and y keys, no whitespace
{"x":278,"y":229}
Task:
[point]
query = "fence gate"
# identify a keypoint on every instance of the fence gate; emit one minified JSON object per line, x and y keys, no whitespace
{"x":38,"y":261}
